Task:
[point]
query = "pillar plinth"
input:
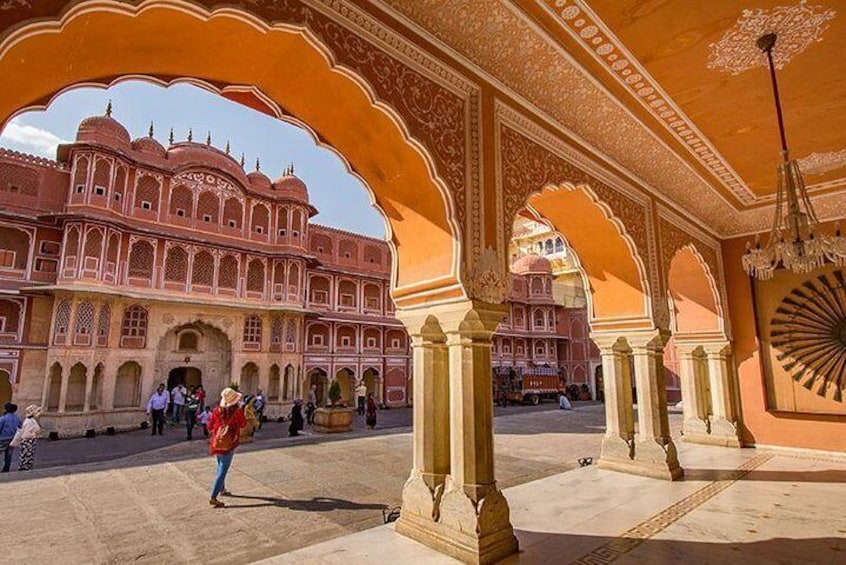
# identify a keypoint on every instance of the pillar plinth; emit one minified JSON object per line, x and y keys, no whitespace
{"x":654,"y":453}
{"x":695,"y":401}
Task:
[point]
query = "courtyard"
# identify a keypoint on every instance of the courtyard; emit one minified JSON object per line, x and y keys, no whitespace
{"x":321,"y":499}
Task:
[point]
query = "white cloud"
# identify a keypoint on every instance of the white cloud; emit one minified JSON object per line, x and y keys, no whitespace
{"x":31,"y":139}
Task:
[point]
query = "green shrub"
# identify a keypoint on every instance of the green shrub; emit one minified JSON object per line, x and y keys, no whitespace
{"x":334,"y":392}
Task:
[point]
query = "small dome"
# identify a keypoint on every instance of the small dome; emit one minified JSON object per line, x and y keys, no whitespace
{"x":150,"y":146}
{"x":292,"y":187}
{"x":531,"y":264}
{"x":259,"y":181}
{"x":102,"y":129}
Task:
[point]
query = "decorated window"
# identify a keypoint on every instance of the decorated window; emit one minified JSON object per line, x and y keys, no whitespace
{"x":104,"y":325}
{"x":176,"y":266}
{"x":60,"y":327}
{"x":252,"y":330}
{"x":141,"y":260}
{"x":202,"y":272}
{"x":133,"y":333}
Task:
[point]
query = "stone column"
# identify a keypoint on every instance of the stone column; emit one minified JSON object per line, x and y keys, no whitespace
{"x":89,"y":385}
{"x":655,"y":454}
{"x":470,"y":519}
{"x":63,"y":392}
{"x":619,"y":415}
{"x":695,"y":427}
{"x":720,"y":373}
{"x":430,"y":436}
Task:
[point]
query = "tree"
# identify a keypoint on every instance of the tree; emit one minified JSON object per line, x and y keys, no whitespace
{"x":334,"y":392}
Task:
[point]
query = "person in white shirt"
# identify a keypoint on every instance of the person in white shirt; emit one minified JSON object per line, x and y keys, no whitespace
{"x":177,"y":398}
{"x":361,"y":396}
{"x":156,"y":406}
{"x":29,"y":433}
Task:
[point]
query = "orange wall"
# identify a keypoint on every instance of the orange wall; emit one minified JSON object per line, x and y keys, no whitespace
{"x":760,"y":426}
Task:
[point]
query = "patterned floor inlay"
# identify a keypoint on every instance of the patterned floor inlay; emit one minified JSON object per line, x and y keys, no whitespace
{"x":616,"y":548}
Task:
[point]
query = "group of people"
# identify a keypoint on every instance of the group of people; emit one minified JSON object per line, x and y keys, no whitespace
{"x":17,"y":433}
{"x":365,"y":404}
{"x":190,"y":405}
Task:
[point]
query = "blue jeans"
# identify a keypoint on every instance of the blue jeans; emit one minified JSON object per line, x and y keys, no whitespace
{"x":177,"y":410}
{"x":223,"y":463}
{"x":7,"y":457}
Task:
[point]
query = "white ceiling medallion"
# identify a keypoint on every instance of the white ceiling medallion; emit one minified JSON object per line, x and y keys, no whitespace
{"x":797,"y":27}
{"x":819,"y":163}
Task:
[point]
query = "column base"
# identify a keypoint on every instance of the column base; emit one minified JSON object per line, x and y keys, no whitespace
{"x":478,"y":533}
{"x":657,"y":459}
{"x":421,"y":495}
{"x":712,"y":439}
{"x":724,"y":432}
{"x":615,"y":449}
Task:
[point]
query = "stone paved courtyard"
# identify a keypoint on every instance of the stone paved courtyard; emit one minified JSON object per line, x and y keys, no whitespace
{"x":151,"y":506}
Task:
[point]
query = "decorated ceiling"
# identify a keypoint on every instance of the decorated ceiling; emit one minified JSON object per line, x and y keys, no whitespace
{"x":674,"y":92}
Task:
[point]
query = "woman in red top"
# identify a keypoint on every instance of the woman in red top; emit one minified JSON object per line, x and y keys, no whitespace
{"x":225,"y":425}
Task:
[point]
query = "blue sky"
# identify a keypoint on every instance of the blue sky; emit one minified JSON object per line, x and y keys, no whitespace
{"x":341,"y":199}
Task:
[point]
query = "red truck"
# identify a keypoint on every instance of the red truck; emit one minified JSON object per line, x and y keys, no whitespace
{"x":526,"y":385}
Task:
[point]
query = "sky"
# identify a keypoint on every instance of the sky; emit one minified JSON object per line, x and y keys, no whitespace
{"x":340,"y":198}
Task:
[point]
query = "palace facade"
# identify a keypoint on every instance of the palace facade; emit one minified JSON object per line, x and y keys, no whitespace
{"x":126,"y":264}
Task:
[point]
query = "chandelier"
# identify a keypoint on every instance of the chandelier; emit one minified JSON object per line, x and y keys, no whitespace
{"x":795,"y":242}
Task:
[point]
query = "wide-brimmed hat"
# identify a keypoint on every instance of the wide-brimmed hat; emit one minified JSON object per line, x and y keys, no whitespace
{"x":33,"y":410}
{"x":229,"y":397}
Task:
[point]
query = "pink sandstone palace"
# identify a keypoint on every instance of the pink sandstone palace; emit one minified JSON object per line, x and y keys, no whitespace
{"x":124,"y":264}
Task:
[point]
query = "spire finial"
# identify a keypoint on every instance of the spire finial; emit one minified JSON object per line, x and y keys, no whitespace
{"x":242,"y":160}
{"x":227,"y":147}
{"x":292,"y":168}
{"x":190,"y":134}
{"x":208,"y":139}
{"x":151,"y":130}
{"x":109,"y":108}
{"x":170,"y":137}
{"x":258,"y":164}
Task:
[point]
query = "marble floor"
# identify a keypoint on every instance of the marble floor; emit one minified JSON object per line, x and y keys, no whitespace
{"x":734,"y":506}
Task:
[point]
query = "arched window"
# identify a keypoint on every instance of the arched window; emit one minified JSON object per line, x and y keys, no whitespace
{"x":93,"y":248}
{"x":208,"y":208}
{"x":273,"y":384}
{"x":176,"y":265}
{"x":120,"y":189}
{"x":84,"y":322}
{"x":296,"y":223}
{"x":202,"y":272}
{"x":181,"y":201}
{"x":102,"y":176}
{"x":133,"y":331}
{"x":80,"y":175}
{"x":103,"y":325}
{"x":147,"y":194}
{"x":128,"y":385}
{"x":559,"y":245}
{"x":14,"y":248}
{"x":276,"y":334}
{"x":255,"y":276}
{"x":260,"y":219}
{"x":282,"y":220}
{"x":227,"y":276}
{"x":60,"y":327}
{"x":319,"y":290}
{"x":294,"y":280}
{"x":188,"y":341}
{"x":232,"y":213}
{"x":252,"y":333}
{"x":549,"y":247}
{"x":539,"y":319}
{"x":291,"y":334}
{"x":347,"y":294}
{"x":141,"y":260}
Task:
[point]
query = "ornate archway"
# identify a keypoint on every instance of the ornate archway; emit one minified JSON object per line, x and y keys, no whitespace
{"x":290,"y":72}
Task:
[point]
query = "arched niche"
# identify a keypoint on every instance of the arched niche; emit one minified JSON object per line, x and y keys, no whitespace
{"x":694,"y":300}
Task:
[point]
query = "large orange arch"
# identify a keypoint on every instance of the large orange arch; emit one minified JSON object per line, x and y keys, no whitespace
{"x":615,"y":274}
{"x":694,"y":300}
{"x":166,"y":39}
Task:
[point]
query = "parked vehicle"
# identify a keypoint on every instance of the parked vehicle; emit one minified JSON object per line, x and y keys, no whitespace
{"x":526,"y":385}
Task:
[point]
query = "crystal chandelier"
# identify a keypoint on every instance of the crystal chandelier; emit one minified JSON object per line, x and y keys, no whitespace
{"x":795,"y":242}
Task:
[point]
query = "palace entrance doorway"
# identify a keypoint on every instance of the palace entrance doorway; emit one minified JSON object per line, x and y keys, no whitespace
{"x":189,"y":376}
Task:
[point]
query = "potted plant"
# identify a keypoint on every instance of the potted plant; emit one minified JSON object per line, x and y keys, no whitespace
{"x":334,"y":418}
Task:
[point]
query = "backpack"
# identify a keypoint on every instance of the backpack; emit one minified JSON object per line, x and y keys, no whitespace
{"x":225,"y":437}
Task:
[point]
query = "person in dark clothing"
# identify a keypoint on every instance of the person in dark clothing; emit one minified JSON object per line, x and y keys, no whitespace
{"x":9,"y":424}
{"x":296,"y":418}
{"x":370,"y":417}
{"x":192,"y":405}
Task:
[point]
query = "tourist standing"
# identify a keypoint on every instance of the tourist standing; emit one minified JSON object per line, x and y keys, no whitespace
{"x":29,"y":434}
{"x":201,"y":394}
{"x":225,"y":427}
{"x":370,"y":420}
{"x":312,"y":404}
{"x":361,"y":396}
{"x":177,"y":397}
{"x":203,"y":419}
{"x":156,"y":406}
{"x":259,"y":406}
{"x":296,"y":418}
{"x":249,"y":408}
{"x":192,"y":405}
{"x":9,"y":425}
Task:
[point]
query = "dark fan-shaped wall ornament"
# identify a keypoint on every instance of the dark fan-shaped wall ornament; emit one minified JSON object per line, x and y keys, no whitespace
{"x":809,"y":331}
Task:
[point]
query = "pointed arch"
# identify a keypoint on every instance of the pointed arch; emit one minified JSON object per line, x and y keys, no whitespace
{"x":695,"y":304}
